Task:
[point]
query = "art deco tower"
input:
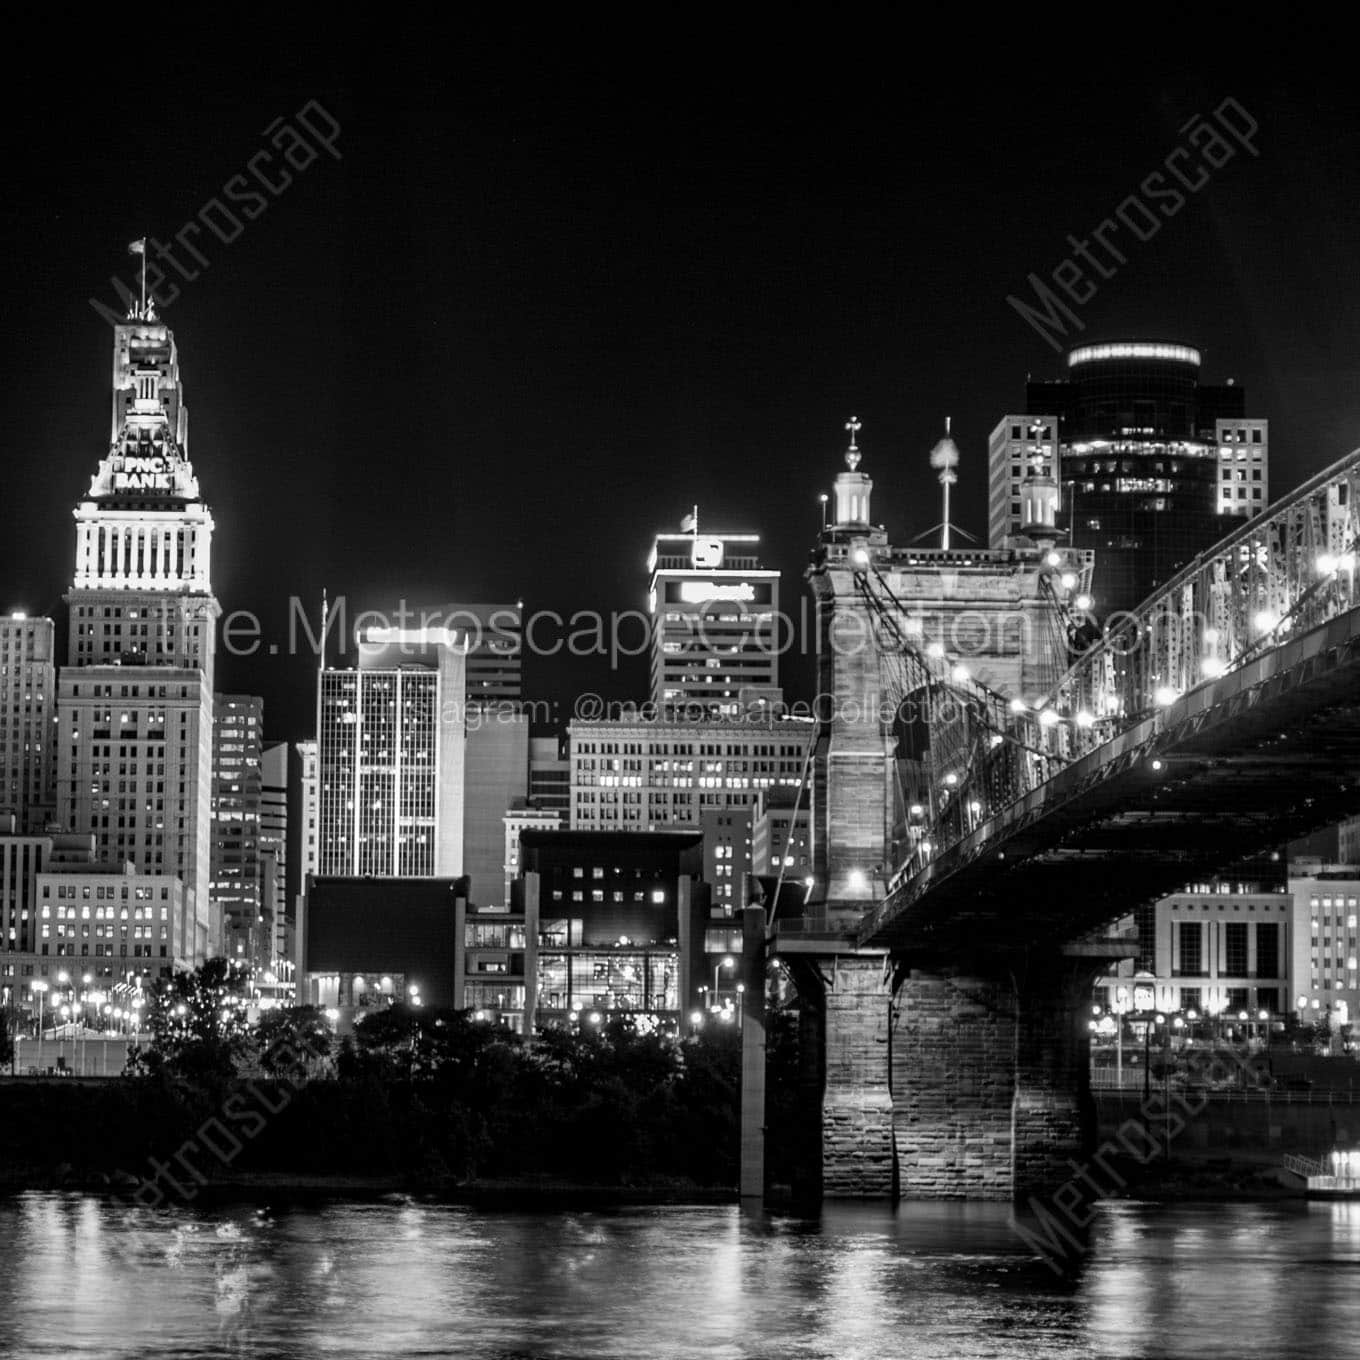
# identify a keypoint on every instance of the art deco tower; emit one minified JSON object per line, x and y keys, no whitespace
{"x":135,"y":707}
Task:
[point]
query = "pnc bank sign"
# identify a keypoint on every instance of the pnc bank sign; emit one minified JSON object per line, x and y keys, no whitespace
{"x":142,"y":474}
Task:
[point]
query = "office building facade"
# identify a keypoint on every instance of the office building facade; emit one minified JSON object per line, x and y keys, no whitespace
{"x":238,"y":722}
{"x":390,"y":766}
{"x":1150,"y":461}
{"x":600,"y":924}
{"x":714,"y":612}
{"x":134,"y":706}
{"x":649,"y":775}
{"x":1325,"y":973}
{"x":28,"y":709}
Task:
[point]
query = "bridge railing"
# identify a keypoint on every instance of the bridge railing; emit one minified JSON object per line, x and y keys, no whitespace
{"x":1292,"y":567}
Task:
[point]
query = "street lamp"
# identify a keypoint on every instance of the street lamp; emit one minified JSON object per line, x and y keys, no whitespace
{"x":729,"y":963}
{"x":40,"y":988}
{"x":741,"y":996}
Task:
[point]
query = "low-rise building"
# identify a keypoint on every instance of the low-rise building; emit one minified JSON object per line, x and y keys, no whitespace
{"x":599,"y":923}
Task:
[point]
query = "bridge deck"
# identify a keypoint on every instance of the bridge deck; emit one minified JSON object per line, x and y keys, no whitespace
{"x":1266,"y":753}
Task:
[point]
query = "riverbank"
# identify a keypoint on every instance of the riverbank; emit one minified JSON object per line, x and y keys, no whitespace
{"x":524,"y":1193}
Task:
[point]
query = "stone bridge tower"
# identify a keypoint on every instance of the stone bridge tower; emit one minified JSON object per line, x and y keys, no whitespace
{"x":937,"y":1077}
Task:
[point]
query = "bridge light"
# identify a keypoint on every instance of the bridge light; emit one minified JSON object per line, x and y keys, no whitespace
{"x":861,"y":557}
{"x":1047,"y":717}
{"x":1265,"y":620}
{"x":1326,"y":564}
{"x":996,"y":740}
{"x":976,"y":807}
{"x":1211,"y":636}
{"x":1085,"y":719}
{"x":1069,"y":580}
{"x":951,"y":779}
{"x":1165,"y":695}
{"x":961,"y":674}
{"x":917,"y":810}
{"x":1156,"y":764}
{"x":1083,"y":602}
{"x":1054,"y":559}
{"x":1018,"y":705}
{"x":925,"y":847}
{"x":858,"y":882}
{"x":936,"y":650}
{"x":1212,"y":667}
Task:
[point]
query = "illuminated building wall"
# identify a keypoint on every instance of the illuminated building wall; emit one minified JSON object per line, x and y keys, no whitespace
{"x":391,"y":746}
{"x":781,"y":831}
{"x":1018,"y":445}
{"x":599,"y":923}
{"x":274,"y":841}
{"x":645,"y":776}
{"x":714,"y":611}
{"x":1243,"y":466}
{"x":117,"y":923}
{"x":28,"y":681}
{"x":516,"y":821}
{"x":1150,"y":460}
{"x":1217,"y":948}
{"x":238,"y":720}
{"x":21,"y":858}
{"x":495,"y":644}
{"x":134,"y":705}
{"x":1325,"y":971}
{"x":727,"y":857}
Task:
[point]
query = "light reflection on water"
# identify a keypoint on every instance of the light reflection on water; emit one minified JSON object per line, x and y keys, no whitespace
{"x":86,"y":1277}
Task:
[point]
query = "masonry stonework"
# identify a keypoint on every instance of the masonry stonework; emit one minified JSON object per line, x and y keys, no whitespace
{"x":857,"y":1114}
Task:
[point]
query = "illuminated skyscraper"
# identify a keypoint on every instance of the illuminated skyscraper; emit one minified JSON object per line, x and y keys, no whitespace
{"x":1147,"y":462}
{"x":238,"y":720}
{"x":134,"y":705}
{"x":28,"y":679}
{"x":714,"y":623}
{"x":391,"y":744}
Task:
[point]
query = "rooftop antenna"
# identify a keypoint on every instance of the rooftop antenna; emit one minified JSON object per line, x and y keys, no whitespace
{"x":138,"y":247}
{"x":945,"y":457}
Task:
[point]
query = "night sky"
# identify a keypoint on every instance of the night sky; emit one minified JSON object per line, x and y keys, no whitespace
{"x":534,"y":313}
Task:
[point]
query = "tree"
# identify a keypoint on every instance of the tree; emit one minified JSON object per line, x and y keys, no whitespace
{"x":293,"y":1041}
{"x":198,"y":1023}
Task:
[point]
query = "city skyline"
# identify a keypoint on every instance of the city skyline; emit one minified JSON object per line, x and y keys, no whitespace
{"x":712,"y":376}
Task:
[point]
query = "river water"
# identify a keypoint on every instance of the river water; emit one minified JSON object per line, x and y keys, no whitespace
{"x":85,"y":1276}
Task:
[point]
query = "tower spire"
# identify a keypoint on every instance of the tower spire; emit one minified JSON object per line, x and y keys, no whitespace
{"x":852,"y":454}
{"x":852,"y":486}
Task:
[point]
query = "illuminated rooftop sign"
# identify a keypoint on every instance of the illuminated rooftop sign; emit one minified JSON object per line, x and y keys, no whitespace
{"x":1093,"y":354}
{"x":701,"y":592}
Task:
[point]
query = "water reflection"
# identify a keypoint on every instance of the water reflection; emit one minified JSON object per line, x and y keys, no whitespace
{"x":90,"y":1277}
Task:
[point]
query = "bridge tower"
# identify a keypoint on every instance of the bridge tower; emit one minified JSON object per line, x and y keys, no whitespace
{"x":940,"y":1077}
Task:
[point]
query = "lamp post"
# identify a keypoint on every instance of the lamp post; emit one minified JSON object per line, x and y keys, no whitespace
{"x":1153,"y":1022}
{"x":1120,"y":1008}
{"x":40,"y":988}
{"x":741,"y":995}
{"x":727,"y":962}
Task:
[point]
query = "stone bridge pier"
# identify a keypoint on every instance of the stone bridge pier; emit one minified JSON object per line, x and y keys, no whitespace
{"x":947,"y":1081}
